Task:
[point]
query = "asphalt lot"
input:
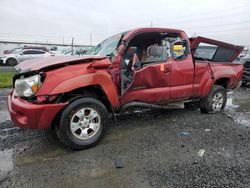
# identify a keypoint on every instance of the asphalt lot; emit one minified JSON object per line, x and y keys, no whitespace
{"x":156,"y":148}
{"x":6,"y":68}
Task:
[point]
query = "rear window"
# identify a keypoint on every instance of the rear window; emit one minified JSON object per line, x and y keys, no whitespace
{"x":223,"y":54}
{"x":205,"y":51}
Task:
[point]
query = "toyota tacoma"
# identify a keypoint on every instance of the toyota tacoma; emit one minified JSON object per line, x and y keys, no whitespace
{"x":145,"y":67}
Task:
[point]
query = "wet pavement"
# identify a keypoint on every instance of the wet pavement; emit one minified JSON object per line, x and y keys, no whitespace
{"x":154,"y":148}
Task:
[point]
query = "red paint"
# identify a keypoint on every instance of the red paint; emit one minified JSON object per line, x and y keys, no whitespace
{"x":166,"y":81}
{"x":28,"y":115}
{"x":40,"y":63}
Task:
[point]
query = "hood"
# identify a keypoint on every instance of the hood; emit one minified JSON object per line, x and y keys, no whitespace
{"x":53,"y":61}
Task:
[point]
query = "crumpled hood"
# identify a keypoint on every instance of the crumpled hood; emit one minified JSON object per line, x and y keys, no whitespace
{"x":54,"y":61}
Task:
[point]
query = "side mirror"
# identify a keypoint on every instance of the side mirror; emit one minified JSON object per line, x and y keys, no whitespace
{"x":21,"y":53}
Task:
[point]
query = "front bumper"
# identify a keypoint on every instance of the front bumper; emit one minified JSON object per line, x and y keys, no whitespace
{"x":3,"y":60}
{"x":34,"y":116}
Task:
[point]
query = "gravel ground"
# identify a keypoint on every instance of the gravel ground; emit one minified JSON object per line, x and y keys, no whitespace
{"x":155,"y":148}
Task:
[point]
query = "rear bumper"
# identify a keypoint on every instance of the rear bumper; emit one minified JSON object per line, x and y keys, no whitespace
{"x":34,"y":116}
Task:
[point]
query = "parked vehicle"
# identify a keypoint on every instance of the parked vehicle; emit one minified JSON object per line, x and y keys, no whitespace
{"x":243,"y":53}
{"x":20,"y":55}
{"x":246,"y":67}
{"x":75,"y":52}
{"x":75,"y":95}
{"x":25,"y":48}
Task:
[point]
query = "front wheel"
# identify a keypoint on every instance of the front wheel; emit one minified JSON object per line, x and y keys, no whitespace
{"x":82,"y":123}
{"x":11,"y":62}
{"x":215,"y":101}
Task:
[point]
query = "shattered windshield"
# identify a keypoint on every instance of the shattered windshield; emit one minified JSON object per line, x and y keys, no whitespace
{"x":107,"y":47}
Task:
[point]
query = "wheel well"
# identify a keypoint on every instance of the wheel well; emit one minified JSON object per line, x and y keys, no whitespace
{"x":222,"y":82}
{"x":94,"y":91}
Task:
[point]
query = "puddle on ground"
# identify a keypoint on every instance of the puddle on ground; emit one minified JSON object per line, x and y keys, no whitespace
{"x":239,"y":109}
{"x":230,"y":103}
{"x":6,"y":163}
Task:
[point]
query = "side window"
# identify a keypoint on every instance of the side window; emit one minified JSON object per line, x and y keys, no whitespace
{"x":205,"y":51}
{"x":33,"y":52}
{"x":155,"y":47}
{"x":27,"y":52}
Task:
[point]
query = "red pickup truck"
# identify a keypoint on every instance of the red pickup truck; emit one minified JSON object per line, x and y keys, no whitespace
{"x":148,"y":67}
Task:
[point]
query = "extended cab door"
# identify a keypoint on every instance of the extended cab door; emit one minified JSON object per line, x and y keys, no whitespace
{"x":217,"y":51}
{"x":207,"y":51}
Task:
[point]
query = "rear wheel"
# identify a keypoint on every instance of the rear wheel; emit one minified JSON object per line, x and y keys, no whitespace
{"x":82,"y":123}
{"x":215,"y":101}
{"x":11,"y":62}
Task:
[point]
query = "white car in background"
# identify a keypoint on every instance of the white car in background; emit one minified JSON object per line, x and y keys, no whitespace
{"x":74,"y":52}
{"x":20,"y":55}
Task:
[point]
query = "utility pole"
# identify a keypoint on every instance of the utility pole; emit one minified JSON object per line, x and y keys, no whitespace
{"x":90,"y":38}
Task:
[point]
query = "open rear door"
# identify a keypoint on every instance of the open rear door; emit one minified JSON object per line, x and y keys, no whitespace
{"x":213,"y":50}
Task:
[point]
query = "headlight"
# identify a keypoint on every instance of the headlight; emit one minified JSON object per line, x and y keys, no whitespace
{"x":26,"y":87}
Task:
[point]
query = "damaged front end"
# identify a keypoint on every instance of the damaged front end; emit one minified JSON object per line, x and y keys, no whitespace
{"x":26,"y":108}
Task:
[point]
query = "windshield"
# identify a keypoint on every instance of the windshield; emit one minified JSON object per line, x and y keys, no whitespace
{"x":106,"y":47}
{"x":16,"y":51}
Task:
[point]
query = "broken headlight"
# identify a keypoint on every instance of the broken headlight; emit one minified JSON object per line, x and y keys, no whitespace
{"x":27,"y":87}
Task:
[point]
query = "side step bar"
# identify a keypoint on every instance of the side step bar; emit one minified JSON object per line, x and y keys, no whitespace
{"x":171,"y":105}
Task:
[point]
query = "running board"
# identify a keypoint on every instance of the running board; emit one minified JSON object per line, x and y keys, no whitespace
{"x":171,"y":105}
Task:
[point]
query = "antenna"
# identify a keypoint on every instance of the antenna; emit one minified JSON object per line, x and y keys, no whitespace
{"x":90,"y":38}
{"x":151,"y":23}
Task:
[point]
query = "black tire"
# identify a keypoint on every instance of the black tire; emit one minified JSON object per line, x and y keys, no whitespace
{"x":51,"y":134}
{"x":206,"y":103}
{"x":64,"y":132}
{"x":11,"y":62}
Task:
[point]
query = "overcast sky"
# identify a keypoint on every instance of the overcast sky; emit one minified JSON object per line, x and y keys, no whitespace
{"x":227,"y":20}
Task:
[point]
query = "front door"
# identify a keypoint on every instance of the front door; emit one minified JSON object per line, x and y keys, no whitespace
{"x":151,"y":84}
{"x":166,"y":73}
